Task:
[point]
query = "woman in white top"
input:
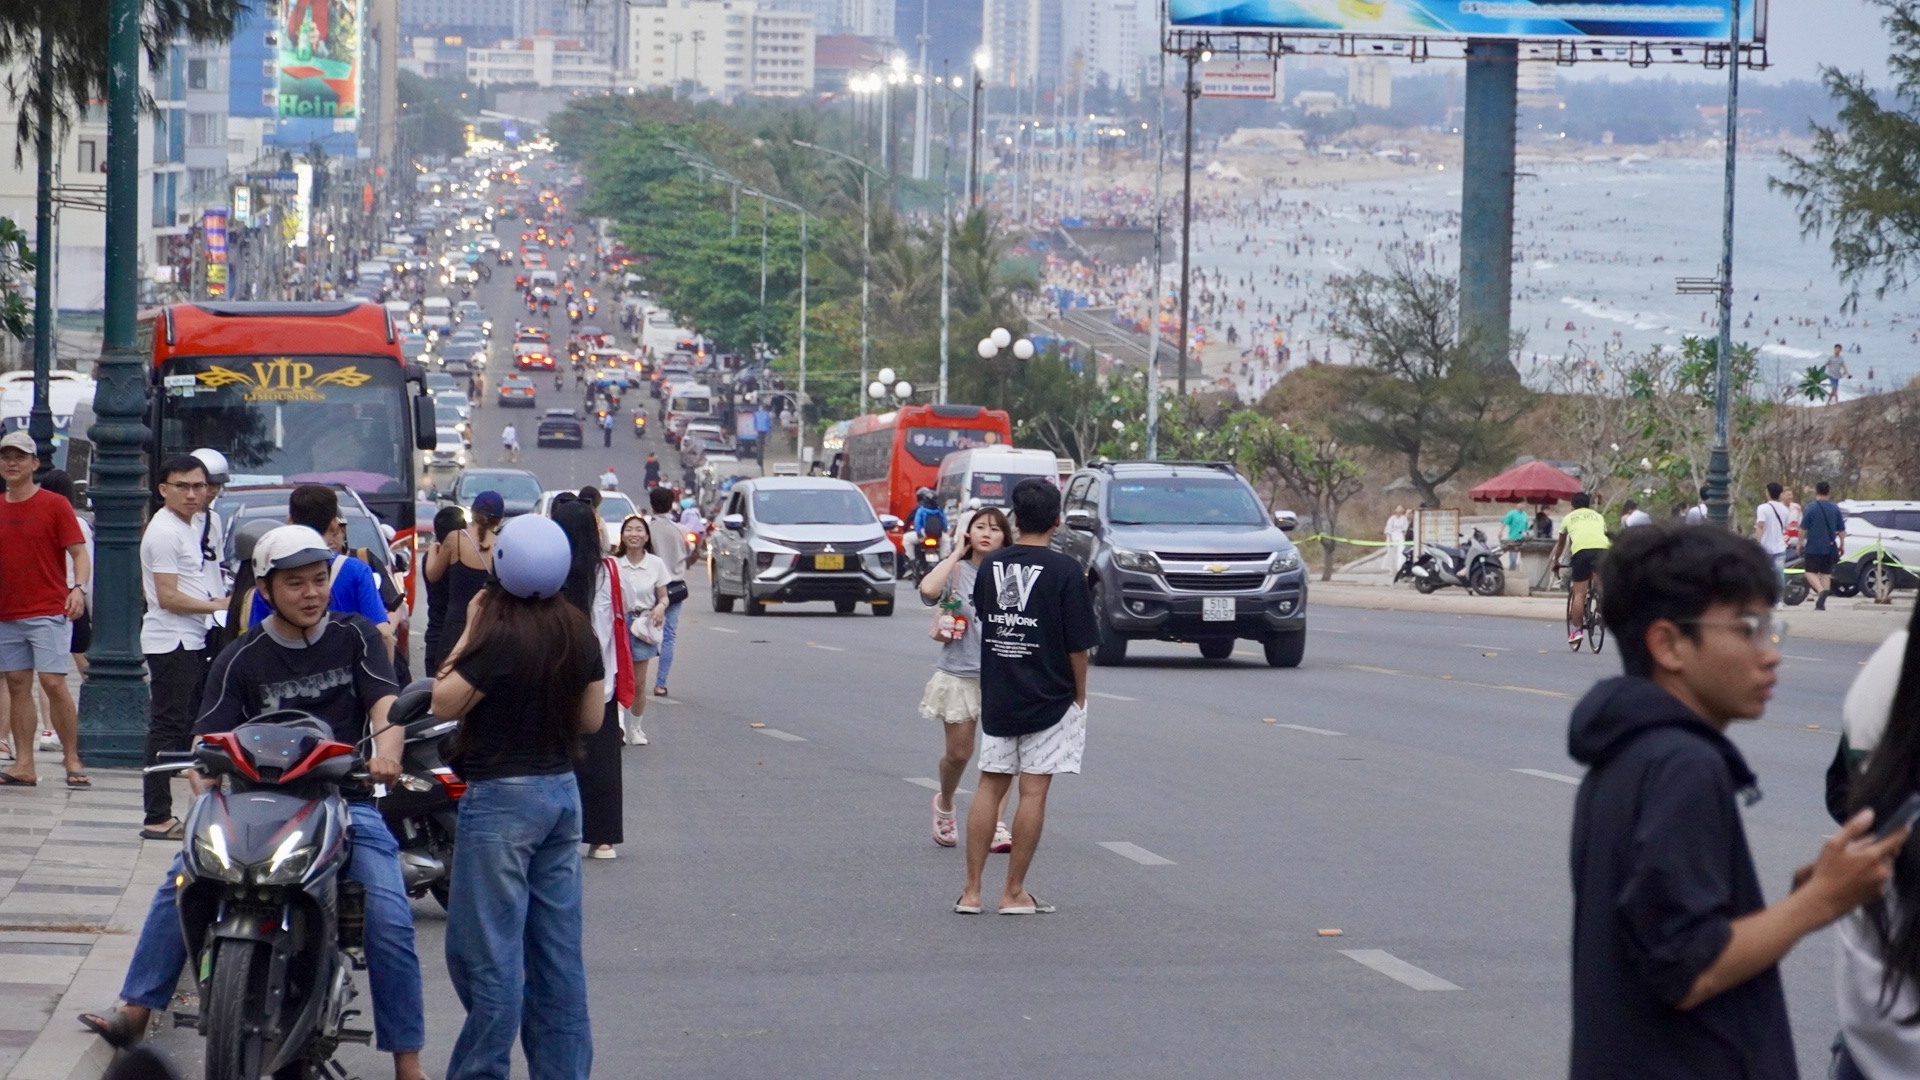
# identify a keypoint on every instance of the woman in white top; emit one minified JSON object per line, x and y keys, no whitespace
{"x":1877,"y":947}
{"x":643,"y":587}
{"x":953,"y":694}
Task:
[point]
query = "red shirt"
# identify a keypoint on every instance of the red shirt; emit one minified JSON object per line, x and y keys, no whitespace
{"x":35,"y":534}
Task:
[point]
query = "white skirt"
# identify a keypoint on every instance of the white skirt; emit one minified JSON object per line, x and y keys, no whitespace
{"x":951,"y":699}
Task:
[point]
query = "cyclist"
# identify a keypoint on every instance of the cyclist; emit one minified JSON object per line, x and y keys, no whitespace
{"x":1583,"y":535}
{"x":334,"y":667}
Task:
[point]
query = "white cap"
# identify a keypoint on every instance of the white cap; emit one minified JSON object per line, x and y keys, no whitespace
{"x":289,"y":547}
{"x":21,"y":441}
{"x":216,"y":463}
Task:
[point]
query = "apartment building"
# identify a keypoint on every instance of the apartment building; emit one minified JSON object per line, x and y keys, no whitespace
{"x":725,"y":47}
{"x":543,"y":61}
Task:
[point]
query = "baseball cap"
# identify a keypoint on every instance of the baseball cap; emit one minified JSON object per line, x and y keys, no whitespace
{"x":490,"y":503}
{"x":288,"y":547}
{"x":21,"y":441}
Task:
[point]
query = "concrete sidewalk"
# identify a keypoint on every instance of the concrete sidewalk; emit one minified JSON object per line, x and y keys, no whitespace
{"x":1859,"y":621}
{"x":75,"y":883}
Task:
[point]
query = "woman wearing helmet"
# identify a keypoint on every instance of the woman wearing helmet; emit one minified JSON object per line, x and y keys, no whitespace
{"x":525,"y":680}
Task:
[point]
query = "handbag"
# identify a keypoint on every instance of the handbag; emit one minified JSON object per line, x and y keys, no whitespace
{"x":623,"y":684}
{"x":676,"y":591}
{"x":948,"y":624}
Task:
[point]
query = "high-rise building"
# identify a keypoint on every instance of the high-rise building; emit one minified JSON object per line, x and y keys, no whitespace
{"x":1010,"y":33}
{"x":868,"y":18}
{"x":1102,"y":37}
{"x":726,"y":47}
{"x":542,"y":60}
{"x":1370,"y":83}
{"x":479,"y":20}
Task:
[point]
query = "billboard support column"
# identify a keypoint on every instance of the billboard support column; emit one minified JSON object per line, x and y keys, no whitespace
{"x":1192,"y":91}
{"x":1486,"y":198}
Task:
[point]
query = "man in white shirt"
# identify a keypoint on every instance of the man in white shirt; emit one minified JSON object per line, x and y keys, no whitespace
{"x":608,"y":481}
{"x":1770,"y":520}
{"x":1631,"y":515}
{"x":509,"y":444}
{"x":1697,"y":513}
{"x":180,"y":594}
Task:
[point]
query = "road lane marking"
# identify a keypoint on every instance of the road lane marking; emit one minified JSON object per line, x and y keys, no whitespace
{"x":1373,"y":670}
{"x":829,"y":648}
{"x":722,"y":630}
{"x":1397,"y":969}
{"x":1810,"y":659}
{"x":931,"y":784}
{"x":783,"y":736}
{"x":1135,"y":852}
{"x":1470,"y":645}
{"x":1110,"y":697}
{"x":1312,"y":730}
{"x":1517,"y":689}
{"x":1544,"y":775}
{"x":1329,"y":630}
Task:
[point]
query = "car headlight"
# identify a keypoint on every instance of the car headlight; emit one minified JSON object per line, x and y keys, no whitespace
{"x":1284,"y":561}
{"x":289,"y":863}
{"x":1141,"y":561}
{"x":210,"y":851}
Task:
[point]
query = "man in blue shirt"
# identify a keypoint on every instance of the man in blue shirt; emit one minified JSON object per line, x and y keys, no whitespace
{"x":1823,"y":532}
{"x":355,"y":592}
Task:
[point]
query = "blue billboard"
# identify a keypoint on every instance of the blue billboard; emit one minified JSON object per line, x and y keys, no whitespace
{"x":1637,"y":20}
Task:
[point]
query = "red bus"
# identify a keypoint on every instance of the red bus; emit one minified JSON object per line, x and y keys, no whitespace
{"x":892,"y":455}
{"x":293,"y":393}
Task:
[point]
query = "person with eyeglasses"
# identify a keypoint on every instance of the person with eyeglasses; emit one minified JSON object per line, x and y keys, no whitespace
{"x":39,"y":533}
{"x":182,"y":589}
{"x":1676,"y":952}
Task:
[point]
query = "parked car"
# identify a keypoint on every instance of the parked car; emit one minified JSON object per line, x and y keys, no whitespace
{"x":800,"y":539}
{"x":519,"y":489}
{"x":1184,"y":551}
{"x":518,"y":391}
{"x":450,"y":452}
{"x":561,"y":427}
{"x":615,"y":507}
{"x":1883,"y":536}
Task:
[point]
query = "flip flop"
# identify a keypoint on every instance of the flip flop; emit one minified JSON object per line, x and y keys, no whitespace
{"x":1038,"y":907}
{"x":965,"y":909}
{"x":172,"y":832}
{"x":78,"y":780}
{"x":120,"y":1031}
{"x":659,"y":691}
{"x":9,"y":780}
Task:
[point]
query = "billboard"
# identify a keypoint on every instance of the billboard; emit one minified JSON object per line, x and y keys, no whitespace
{"x":1234,"y":77}
{"x":318,"y":58}
{"x":1639,"y":20}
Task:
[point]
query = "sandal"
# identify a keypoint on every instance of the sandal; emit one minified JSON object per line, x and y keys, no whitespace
{"x":78,"y":780}
{"x":945,"y":833}
{"x":116,"y":1027}
{"x":1002,"y":839}
{"x":9,"y":780}
{"x":175,"y":831}
{"x":659,"y":691}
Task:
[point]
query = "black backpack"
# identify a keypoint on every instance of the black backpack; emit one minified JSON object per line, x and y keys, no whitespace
{"x":933,"y":525}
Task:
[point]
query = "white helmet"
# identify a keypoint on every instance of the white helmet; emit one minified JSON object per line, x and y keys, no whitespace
{"x":216,"y":463}
{"x":288,"y":547}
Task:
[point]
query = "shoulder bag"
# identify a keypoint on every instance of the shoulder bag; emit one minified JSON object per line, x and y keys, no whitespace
{"x":623,"y":683}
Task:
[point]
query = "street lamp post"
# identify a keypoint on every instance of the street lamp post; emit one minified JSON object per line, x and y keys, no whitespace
{"x":1719,"y":469}
{"x":1186,"y":216}
{"x":800,"y":420}
{"x":980,"y":61}
{"x":866,"y":249}
{"x":40,"y":418}
{"x":113,"y":701}
{"x":673,"y":92}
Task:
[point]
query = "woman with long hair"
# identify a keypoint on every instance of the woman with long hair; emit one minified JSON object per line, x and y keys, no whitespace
{"x":591,"y":586}
{"x":953,"y":694}
{"x":1878,"y":946}
{"x":465,"y":561}
{"x":446,"y":523}
{"x":643,"y":590}
{"x":525,"y":681}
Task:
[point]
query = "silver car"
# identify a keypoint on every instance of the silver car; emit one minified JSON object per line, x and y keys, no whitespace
{"x":792,"y":539}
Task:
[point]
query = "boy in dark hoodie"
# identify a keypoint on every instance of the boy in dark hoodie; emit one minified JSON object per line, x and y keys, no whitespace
{"x":1674,"y":947}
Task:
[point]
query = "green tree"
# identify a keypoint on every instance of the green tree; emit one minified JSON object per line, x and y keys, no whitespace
{"x":1416,"y":390}
{"x":1860,"y":180}
{"x":16,"y":264}
{"x":437,"y":110}
{"x":1308,"y":464}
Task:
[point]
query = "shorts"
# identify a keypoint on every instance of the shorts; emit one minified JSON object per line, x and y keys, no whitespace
{"x":1046,"y":752}
{"x":951,"y":699}
{"x":41,"y":643}
{"x":1582,"y":564}
{"x":1817,"y":564}
{"x":642,"y":651}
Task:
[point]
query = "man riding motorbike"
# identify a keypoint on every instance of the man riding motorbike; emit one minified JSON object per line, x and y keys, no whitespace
{"x":929,"y":523}
{"x":334,"y":667}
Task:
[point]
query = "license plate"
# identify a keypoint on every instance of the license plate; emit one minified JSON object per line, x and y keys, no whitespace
{"x":829,"y":562}
{"x":1217,"y":609}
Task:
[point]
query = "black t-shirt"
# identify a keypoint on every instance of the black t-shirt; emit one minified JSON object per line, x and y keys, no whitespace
{"x":337,"y":675}
{"x":1034,"y":611}
{"x":507,"y":733}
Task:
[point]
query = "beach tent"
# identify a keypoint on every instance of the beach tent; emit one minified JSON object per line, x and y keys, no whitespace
{"x":1535,"y":482}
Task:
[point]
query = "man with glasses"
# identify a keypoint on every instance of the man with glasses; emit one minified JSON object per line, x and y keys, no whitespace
{"x":182,"y":588}
{"x":38,"y":531}
{"x":1675,"y":951}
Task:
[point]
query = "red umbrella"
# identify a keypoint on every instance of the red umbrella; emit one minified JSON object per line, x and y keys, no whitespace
{"x":1534,"y":482}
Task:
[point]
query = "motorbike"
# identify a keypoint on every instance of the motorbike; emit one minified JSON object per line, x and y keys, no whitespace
{"x":925,"y":553}
{"x":1474,"y":566}
{"x":639,"y":425}
{"x":422,"y":809}
{"x":274,"y":926}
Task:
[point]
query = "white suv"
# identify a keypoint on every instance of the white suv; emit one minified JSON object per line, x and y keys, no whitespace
{"x":1874,"y":527}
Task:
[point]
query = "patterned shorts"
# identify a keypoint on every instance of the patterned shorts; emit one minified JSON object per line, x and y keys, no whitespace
{"x":1053,"y":750}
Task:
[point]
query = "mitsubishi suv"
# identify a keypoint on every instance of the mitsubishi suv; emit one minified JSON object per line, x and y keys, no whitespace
{"x":795,"y":539}
{"x":1185,"y":551}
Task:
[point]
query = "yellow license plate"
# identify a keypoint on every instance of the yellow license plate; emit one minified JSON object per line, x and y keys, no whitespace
{"x":829,"y":562}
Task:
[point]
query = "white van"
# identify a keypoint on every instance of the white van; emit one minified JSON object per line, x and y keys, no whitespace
{"x":660,"y":336}
{"x":544,"y":279}
{"x":985,"y":475}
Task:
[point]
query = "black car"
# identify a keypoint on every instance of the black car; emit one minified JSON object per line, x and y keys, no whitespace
{"x":1185,"y":551}
{"x":561,"y":427}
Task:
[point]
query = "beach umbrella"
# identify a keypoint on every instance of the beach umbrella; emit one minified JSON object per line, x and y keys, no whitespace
{"x":1535,"y":482}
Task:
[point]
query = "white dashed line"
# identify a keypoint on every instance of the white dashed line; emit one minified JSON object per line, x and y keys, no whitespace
{"x":1470,"y":645}
{"x":1311,"y":730}
{"x":722,"y":630}
{"x":1809,"y":659}
{"x":829,"y":648}
{"x":1135,"y":852}
{"x":783,"y":736}
{"x":1544,"y":775}
{"x":1397,"y":969}
{"x":1110,"y":697}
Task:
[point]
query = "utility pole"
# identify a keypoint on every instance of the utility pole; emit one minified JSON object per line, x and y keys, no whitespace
{"x":1186,"y":217}
{"x":866,"y":254}
{"x":1719,"y":469}
{"x":980,"y":62}
{"x":1153,"y":294}
{"x":40,"y":418}
{"x":113,"y":701}
{"x":920,"y":103}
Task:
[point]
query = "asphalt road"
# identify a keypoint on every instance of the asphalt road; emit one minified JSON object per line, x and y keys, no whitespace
{"x":779,"y":908}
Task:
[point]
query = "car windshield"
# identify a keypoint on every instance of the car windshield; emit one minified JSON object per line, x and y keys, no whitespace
{"x":811,"y":506}
{"x":1184,"y":500}
{"x":615,"y":508}
{"x":509,"y":485}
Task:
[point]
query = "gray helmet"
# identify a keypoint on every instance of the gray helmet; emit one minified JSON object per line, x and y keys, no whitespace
{"x":249,"y":534}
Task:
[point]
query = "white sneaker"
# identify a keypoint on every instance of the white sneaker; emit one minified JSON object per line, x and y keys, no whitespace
{"x":636,"y":737}
{"x":46,"y":741}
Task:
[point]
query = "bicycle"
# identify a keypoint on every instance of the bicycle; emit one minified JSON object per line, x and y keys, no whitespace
{"x":1587,"y":622}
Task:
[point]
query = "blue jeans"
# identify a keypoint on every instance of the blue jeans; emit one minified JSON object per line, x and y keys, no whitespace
{"x":667,"y":639}
{"x":514,"y":930}
{"x":393,"y":968}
